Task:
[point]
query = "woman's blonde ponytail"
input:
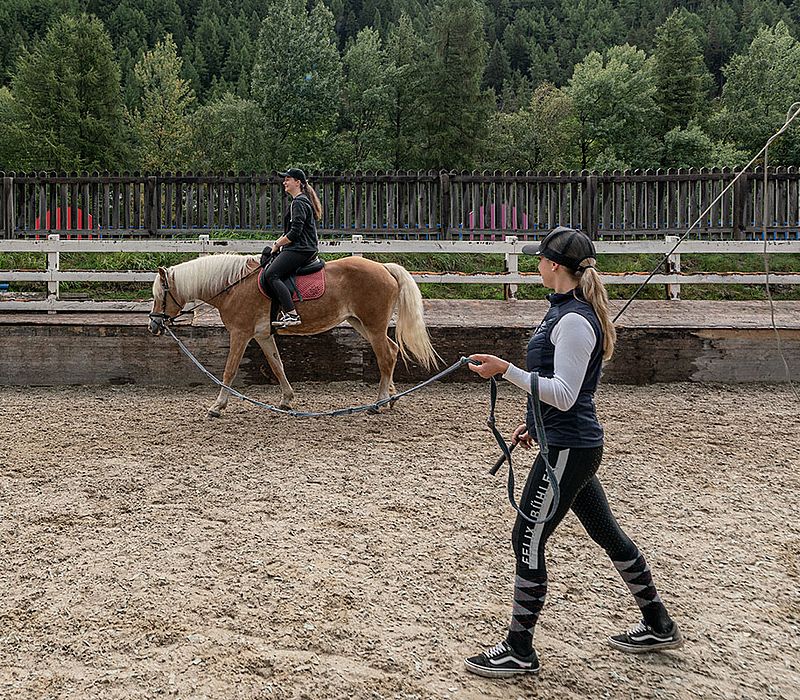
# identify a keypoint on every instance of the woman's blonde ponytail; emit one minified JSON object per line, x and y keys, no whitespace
{"x":594,"y":292}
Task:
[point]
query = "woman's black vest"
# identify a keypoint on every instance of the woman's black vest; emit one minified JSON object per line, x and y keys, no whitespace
{"x":577,"y":426}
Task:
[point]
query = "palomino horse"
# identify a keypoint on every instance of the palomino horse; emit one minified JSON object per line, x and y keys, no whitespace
{"x":357,"y":290}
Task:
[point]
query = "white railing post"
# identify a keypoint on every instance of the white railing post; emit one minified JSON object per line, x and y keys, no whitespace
{"x":357,"y":238}
{"x":673,"y":267}
{"x":53,"y":260}
{"x":204,"y":245}
{"x":512,"y":265}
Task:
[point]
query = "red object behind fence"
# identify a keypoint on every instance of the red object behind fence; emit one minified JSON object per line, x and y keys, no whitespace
{"x":78,"y":217}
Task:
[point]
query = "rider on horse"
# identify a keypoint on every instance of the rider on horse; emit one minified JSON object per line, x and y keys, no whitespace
{"x":295,"y":248}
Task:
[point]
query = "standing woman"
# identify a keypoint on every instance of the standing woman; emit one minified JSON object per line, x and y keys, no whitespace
{"x":296,"y":247}
{"x":564,"y":359}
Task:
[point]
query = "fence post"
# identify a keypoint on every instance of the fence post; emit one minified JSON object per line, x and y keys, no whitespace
{"x":150,"y":208}
{"x":512,"y":266}
{"x":589,"y":206}
{"x":8,"y":201}
{"x":53,"y":260}
{"x":444,"y":203}
{"x":357,"y":238}
{"x":673,"y":267}
{"x":741,"y":190}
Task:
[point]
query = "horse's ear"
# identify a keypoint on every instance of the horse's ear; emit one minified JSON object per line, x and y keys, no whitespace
{"x":162,"y":273}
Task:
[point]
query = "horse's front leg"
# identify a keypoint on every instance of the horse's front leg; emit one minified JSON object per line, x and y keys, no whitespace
{"x":238,"y":345}
{"x":270,"y":348}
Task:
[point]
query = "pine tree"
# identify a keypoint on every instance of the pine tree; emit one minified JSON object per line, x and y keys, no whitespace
{"x":454,"y":106}
{"x":68,"y":97}
{"x":498,"y":68}
{"x":296,"y":80}
{"x":162,"y":123}
{"x":682,"y":81}
{"x":720,"y":43}
{"x":404,"y":51}
{"x":366,"y":101}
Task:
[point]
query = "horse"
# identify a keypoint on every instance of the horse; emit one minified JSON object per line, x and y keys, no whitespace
{"x":357,"y":290}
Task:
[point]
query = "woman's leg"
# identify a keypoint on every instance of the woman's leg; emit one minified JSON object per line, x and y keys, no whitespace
{"x":592,"y":508}
{"x":573,"y":467}
{"x":282,"y":267}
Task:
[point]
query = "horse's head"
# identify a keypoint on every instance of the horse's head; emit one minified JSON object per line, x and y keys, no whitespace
{"x":167,"y":304}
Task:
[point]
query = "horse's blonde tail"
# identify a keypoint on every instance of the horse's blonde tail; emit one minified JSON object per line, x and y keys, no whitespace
{"x":410,"y":332}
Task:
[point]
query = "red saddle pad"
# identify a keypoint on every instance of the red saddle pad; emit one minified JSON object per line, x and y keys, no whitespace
{"x":310,"y":286}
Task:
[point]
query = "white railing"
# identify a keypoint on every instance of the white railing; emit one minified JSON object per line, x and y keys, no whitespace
{"x":511,"y":249}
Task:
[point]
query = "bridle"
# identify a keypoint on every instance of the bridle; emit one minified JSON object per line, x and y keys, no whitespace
{"x":163,"y":318}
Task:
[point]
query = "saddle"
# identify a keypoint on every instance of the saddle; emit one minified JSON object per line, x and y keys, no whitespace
{"x":305,"y":284}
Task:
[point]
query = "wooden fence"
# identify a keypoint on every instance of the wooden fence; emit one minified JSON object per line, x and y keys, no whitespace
{"x":511,"y":248}
{"x":427,"y":205}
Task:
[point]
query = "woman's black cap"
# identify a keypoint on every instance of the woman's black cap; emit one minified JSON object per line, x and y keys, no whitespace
{"x":296,"y":173}
{"x":566,"y":246}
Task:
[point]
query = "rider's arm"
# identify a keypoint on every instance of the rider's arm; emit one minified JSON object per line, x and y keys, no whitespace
{"x":574,"y":340}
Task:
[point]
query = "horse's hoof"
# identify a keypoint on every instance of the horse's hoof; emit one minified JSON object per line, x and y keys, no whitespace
{"x":285,"y":406}
{"x":214,"y":414}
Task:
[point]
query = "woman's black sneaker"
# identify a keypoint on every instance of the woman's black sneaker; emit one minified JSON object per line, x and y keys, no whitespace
{"x":501,"y":661}
{"x":642,"y":638}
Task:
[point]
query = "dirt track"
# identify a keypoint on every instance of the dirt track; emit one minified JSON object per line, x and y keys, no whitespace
{"x":148,"y":552}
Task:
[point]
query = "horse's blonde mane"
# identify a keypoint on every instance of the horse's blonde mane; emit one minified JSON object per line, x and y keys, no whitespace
{"x":204,"y":277}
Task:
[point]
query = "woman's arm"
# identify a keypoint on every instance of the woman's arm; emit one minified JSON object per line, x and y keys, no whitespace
{"x":574,"y":340}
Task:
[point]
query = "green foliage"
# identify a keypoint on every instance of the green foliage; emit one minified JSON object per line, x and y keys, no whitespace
{"x":296,"y":81}
{"x":228,"y":136}
{"x":161,"y":123}
{"x":686,"y":148}
{"x":366,"y":101}
{"x":681,"y":94}
{"x":453,"y":104}
{"x":404,"y":77}
{"x":402,"y":84}
{"x":537,"y":137}
{"x":614,"y":102}
{"x":761,"y":84}
{"x":68,"y":100}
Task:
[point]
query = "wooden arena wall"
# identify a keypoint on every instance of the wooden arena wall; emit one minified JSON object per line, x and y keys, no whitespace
{"x":41,"y":353}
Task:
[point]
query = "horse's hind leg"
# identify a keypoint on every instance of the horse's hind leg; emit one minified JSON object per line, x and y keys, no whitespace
{"x":238,"y":345}
{"x":385,"y":350}
{"x":270,"y":348}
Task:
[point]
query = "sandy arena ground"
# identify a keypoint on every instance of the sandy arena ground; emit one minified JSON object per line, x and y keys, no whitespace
{"x":147,"y":552}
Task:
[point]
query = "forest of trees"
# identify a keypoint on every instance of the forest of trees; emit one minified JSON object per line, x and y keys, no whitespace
{"x":395,"y":84}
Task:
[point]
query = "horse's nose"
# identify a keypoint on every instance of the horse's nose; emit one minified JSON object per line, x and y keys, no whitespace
{"x":155,"y":327}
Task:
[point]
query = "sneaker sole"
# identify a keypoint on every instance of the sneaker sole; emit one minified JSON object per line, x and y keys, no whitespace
{"x":639,"y":649}
{"x":499,"y":672}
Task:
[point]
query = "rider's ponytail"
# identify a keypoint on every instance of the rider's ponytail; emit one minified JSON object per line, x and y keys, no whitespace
{"x":312,"y":195}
